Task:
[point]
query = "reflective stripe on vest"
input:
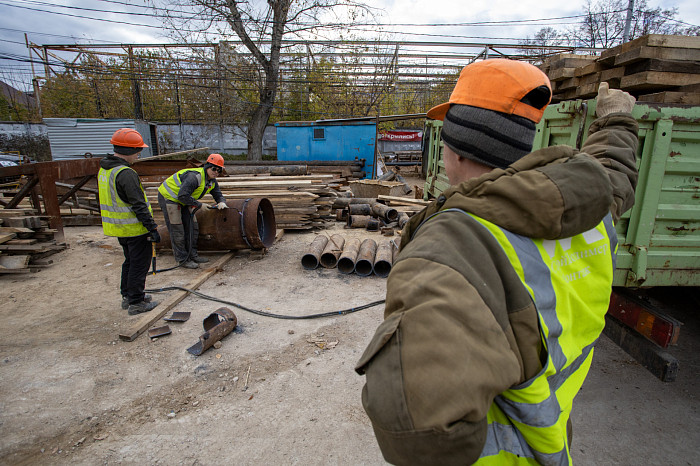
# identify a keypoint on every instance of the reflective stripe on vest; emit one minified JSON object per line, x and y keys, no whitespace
{"x":170,"y":188}
{"x":117,"y":217}
{"x":569,"y":281}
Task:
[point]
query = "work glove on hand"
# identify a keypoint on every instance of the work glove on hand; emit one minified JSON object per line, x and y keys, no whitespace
{"x":155,"y":236}
{"x":613,"y":101}
{"x":221,"y":205}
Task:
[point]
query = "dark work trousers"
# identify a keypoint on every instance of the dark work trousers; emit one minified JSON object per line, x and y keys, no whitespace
{"x":179,"y":223}
{"x":137,"y":259}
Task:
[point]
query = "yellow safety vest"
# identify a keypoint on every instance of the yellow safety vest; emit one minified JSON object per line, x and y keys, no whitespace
{"x":117,"y":217}
{"x":570,"y":281}
{"x":170,"y":188}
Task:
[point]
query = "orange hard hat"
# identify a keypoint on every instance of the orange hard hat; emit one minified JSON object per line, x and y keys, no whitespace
{"x":216,"y":159}
{"x":127,"y":137}
{"x":501,"y":85}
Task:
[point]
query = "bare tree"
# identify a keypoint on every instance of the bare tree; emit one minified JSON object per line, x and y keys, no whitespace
{"x":604,"y":23}
{"x":262,"y":28}
{"x":536,"y":47}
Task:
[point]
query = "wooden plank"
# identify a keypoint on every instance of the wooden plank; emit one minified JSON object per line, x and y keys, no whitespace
{"x":670,"y":66}
{"x":149,"y":318}
{"x":14,"y":262}
{"x":4,"y":213}
{"x":4,"y":238}
{"x":4,"y":270}
{"x":657,"y":79}
{"x":22,"y":241}
{"x":651,"y":41}
{"x":7,"y":230}
{"x":403,"y":200}
{"x":661,"y":53}
{"x":684,"y":98}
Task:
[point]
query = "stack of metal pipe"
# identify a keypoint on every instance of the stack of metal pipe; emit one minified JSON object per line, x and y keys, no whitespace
{"x":364,"y":257}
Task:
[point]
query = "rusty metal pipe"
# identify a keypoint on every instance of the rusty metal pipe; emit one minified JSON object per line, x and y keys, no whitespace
{"x":341,"y":215}
{"x":358,"y":221}
{"x":383,"y":259}
{"x":219,"y":324}
{"x":342,"y":202}
{"x":403,"y":219}
{"x":372,"y":224}
{"x":246,"y":224}
{"x":312,"y":257}
{"x":346,"y":262}
{"x":359,"y":209}
{"x":333,"y":249}
{"x":387,"y":213}
{"x":365,"y":258}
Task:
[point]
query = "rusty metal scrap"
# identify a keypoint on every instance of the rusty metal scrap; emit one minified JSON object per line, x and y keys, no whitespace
{"x":312,"y":257}
{"x":383,"y":259}
{"x":246,"y":224}
{"x":216,"y":326}
{"x":333,"y":249}
{"x":346,"y":262}
{"x":365,"y":258}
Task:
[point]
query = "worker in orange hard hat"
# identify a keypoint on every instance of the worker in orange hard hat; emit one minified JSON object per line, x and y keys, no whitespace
{"x":178,"y":197}
{"x":127,"y":215}
{"x":500,"y":289}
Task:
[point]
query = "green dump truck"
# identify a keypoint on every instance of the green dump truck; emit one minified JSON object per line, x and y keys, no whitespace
{"x":659,"y":237}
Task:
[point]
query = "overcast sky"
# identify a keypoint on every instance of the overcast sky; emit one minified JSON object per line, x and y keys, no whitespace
{"x":90,"y":21}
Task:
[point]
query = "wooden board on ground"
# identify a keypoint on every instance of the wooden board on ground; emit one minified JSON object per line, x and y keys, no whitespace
{"x":152,"y":317}
{"x":14,"y":262}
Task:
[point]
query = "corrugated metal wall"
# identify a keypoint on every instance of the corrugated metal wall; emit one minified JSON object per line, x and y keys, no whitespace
{"x":71,"y":138}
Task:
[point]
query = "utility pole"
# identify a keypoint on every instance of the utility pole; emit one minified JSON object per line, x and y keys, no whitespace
{"x":628,"y":21}
{"x":138,"y":109}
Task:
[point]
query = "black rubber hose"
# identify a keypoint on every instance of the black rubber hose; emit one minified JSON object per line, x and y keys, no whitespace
{"x":268,"y":314}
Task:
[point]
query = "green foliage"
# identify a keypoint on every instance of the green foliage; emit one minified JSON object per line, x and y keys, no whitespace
{"x":36,"y":147}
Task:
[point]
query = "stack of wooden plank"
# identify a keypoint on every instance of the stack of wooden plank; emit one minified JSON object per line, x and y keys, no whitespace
{"x":653,"y":68}
{"x":300,"y":202}
{"x":25,"y":241}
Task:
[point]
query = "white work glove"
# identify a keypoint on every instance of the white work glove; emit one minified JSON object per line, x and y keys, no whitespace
{"x":221,"y":205}
{"x":613,"y":101}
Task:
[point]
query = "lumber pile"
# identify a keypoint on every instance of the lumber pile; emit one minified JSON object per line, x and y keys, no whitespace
{"x":300,"y":202}
{"x":653,"y":68}
{"x":25,"y":241}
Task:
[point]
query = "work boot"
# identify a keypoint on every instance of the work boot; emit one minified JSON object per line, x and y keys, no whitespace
{"x":147,"y":298}
{"x":189,"y":264}
{"x":200,"y":259}
{"x":141,"y":307}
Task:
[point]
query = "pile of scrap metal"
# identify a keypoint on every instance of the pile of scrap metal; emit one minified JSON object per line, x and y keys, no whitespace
{"x":370,"y":214}
{"x":351,"y":256}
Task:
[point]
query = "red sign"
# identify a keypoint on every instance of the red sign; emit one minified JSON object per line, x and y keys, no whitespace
{"x":395,"y":135}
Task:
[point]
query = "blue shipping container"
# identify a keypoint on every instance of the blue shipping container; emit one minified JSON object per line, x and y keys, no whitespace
{"x":327,"y":140}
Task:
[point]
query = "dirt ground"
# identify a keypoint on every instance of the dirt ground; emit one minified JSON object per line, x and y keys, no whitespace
{"x":277,"y":391}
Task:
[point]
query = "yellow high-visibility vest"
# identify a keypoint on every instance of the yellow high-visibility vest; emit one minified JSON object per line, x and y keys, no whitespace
{"x":117,"y":217}
{"x":570,"y":281}
{"x":170,"y":188}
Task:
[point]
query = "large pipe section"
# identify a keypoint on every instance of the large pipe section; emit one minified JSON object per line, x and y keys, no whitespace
{"x":389,"y":214}
{"x":246,"y":224}
{"x":383,"y":259}
{"x":346,"y":262}
{"x":312,"y":258}
{"x":365,"y":258}
{"x":333,"y":249}
{"x":216,"y":326}
{"x":359,"y":209}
